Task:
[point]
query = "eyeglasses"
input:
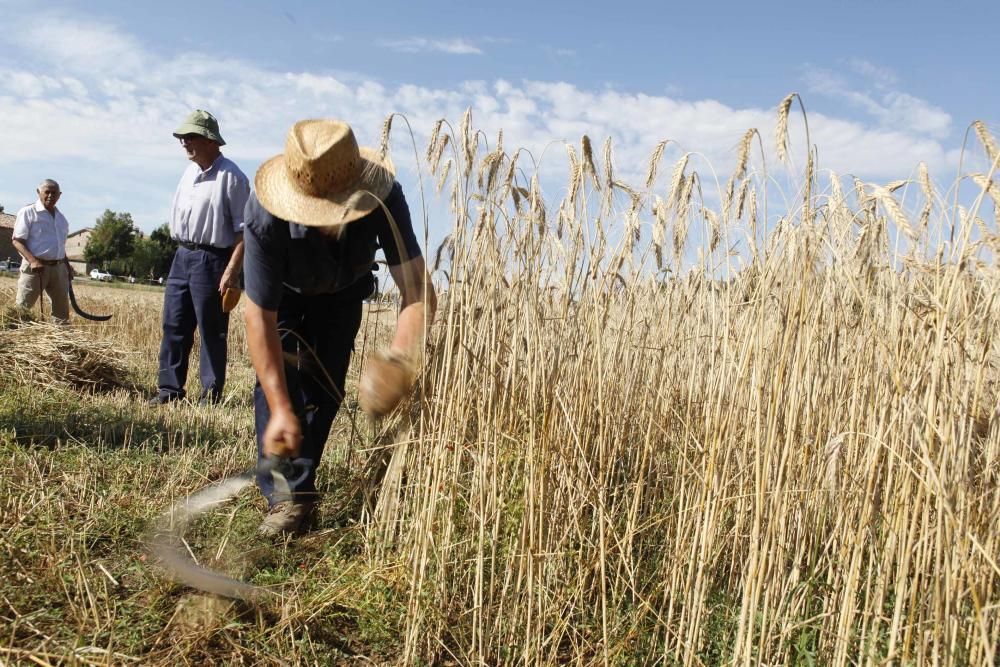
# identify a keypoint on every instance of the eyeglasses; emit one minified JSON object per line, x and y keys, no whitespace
{"x":188,"y":138}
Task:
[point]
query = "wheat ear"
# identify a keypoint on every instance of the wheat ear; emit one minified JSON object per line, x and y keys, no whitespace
{"x":781,"y":130}
{"x":986,"y":139}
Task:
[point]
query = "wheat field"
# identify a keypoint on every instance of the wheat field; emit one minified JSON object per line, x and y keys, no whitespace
{"x":657,"y":425}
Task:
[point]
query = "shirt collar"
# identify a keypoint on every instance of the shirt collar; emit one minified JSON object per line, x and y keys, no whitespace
{"x":215,"y":163}
{"x":39,"y":207}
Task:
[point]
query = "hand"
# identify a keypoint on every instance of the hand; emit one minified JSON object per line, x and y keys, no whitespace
{"x":388,"y":377}
{"x":230,"y":297}
{"x":36,"y":264}
{"x":283,"y":434}
{"x":230,"y":279}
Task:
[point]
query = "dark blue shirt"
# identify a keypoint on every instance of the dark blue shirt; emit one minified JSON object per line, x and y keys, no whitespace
{"x":279,"y":254}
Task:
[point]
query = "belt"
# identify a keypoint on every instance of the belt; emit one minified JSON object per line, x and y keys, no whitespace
{"x":201,"y":246}
{"x":51,"y":262}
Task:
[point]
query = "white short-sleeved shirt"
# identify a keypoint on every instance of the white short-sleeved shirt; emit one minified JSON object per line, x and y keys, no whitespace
{"x":42,"y":232}
{"x":208,"y":205}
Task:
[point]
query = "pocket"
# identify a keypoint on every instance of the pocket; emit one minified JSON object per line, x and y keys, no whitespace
{"x":218,"y":264}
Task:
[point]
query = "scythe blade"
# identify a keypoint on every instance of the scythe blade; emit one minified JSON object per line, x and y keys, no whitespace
{"x":80,"y":311}
{"x":166,"y":546}
{"x":165,"y":542}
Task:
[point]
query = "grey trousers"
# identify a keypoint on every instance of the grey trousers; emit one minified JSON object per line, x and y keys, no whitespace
{"x":53,"y":280}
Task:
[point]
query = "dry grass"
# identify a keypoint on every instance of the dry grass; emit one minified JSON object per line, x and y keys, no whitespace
{"x":45,"y":354}
{"x":784,"y":449}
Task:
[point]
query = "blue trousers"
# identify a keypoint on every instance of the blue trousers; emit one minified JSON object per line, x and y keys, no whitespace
{"x":317,"y":337}
{"x":192,"y":300}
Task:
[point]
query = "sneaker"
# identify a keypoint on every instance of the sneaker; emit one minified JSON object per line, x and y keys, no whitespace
{"x":285,"y":518}
{"x":161,"y":399}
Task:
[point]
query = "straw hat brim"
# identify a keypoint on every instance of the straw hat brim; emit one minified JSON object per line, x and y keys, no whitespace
{"x":283,"y":199}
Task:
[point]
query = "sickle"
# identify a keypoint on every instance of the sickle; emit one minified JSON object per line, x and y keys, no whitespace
{"x":165,"y":543}
{"x":79,"y":311}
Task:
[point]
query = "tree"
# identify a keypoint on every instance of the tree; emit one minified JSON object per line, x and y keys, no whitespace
{"x":111,"y":243}
{"x":152,"y":254}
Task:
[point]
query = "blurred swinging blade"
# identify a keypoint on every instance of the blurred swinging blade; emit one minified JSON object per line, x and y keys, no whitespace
{"x":166,"y":540}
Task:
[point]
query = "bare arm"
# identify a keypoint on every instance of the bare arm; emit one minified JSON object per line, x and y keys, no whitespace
{"x":283,"y":433}
{"x":23,"y":251}
{"x":419,"y":303}
{"x":230,"y":277}
{"x":389,"y":375}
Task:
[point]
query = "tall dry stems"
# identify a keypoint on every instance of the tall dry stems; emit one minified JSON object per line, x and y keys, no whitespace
{"x":797,"y":464}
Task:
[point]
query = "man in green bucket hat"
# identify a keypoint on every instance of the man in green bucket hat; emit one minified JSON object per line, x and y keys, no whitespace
{"x":206,"y":220}
{"x":201,"y":123}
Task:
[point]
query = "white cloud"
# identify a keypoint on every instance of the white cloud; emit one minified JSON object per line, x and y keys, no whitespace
{"x":81,"y":45}
{"x":876,"y":94}
{"x":103,"y":128}
{"x":880,"y":76}
{"x":421,"y":44}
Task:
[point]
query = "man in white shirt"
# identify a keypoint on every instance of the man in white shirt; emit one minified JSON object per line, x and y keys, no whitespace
{"x":40,"y":231}
{"x":207,"y":222}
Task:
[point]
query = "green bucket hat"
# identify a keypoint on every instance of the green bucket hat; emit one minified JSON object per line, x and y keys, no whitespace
{"x":203,"y":123}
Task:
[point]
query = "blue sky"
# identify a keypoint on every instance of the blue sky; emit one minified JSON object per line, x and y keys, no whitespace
{"x":90,"y":92}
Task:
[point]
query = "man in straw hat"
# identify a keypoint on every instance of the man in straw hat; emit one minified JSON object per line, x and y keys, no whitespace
{"x":39,"y":236}
{"x":206,"y":220}
{"x":320,"y":211}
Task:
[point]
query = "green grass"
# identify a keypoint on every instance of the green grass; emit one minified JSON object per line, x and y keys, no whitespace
{"x":84,"y":477}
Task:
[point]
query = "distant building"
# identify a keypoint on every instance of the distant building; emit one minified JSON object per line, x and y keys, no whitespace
{"x":6,"y":234}
{"x":76,"y":243}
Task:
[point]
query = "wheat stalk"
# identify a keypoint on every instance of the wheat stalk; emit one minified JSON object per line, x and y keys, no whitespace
{"x":742,"y":198}
{"x":884,"y":196}
{"x":677,"y":181}
{"x":588,"y":161}
{"x":654,"y":162}
{"x":575,"y":174}
{"x":443,"y":176}
{"x":986,"y":139}
{"x":781,"y":129}
{"x":681,"y":221}
{"x":715,"y":230}
{"x":989,"y":186}
{"x":924,"y":179}
{"x":659,"y":232}
{"x":432,"y":146}
{"x":383,"y":143}
{"x":470,"y":140}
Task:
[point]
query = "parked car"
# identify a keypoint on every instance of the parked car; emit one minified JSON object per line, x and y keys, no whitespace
{"x":13,"y":265}
{"x":103,"y":276}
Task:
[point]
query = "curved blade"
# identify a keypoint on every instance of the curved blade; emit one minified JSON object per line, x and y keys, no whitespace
{"x":82,"y":313}
{"x":165,"y":543}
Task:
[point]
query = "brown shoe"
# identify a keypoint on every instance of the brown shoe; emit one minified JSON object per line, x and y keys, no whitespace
{"x":285,"y":518}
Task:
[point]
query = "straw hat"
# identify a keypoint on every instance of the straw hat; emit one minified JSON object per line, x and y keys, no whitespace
{"x":202,"y":123}
{"x":323,"y":178}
